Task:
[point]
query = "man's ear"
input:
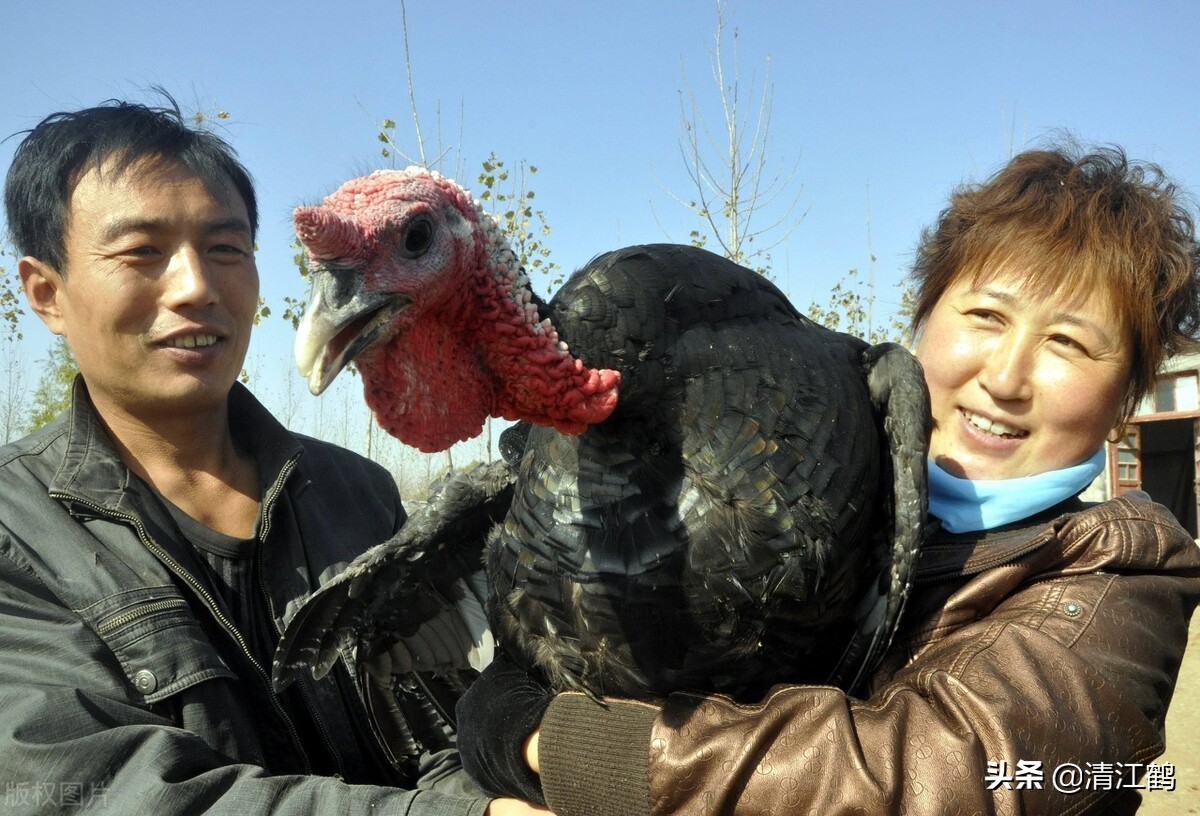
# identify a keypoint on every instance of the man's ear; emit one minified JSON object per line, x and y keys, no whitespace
{"x":43,"y":286}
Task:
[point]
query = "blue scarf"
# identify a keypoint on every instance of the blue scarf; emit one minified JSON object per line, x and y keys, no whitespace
{"x":964,"y":505}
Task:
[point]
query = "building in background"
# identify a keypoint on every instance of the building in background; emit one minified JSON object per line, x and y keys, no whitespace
{"x":1160,"y":452}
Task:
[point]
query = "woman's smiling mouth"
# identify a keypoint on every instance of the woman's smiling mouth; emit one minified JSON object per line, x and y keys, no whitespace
{"x":992,"y":426}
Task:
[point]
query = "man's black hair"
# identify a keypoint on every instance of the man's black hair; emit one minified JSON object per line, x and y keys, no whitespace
{"x":64,"y":146}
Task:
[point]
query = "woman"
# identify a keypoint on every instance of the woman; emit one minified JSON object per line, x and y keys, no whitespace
{"x":1034,"y":665}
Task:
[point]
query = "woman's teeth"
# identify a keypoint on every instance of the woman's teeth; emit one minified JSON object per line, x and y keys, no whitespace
{"x":992,"y":426}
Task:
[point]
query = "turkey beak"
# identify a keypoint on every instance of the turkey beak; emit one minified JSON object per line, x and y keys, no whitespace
{"x":328,"y":338}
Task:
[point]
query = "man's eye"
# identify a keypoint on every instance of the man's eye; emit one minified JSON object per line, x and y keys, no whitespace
{"x":228,"y":253}
{"x":141,"y":255}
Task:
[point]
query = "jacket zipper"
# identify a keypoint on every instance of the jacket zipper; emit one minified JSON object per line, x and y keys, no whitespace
{"x":137,"y":612}
{"x":978,"y":568}
{"x":209,"y":601}
{"x":264,"y":529}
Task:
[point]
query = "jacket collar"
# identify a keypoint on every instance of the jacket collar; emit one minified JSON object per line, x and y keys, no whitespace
{"x":949,"y":554}
{"x":92,"y":470}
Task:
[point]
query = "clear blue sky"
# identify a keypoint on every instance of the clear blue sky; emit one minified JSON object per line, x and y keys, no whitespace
{"x":904,"y":99}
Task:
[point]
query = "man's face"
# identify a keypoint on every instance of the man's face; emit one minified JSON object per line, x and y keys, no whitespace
{"x":160,"y":289}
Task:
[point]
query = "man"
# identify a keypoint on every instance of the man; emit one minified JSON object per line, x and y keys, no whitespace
{"x":154,"y":538}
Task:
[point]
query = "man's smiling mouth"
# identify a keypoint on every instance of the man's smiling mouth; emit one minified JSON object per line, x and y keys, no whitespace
{"x":188,"y":341}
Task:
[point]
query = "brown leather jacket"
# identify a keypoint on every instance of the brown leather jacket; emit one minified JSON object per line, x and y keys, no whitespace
{"x":1054,"y":642}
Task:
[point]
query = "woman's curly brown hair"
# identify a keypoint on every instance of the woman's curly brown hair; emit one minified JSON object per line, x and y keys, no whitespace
{"x":1077,"y":223}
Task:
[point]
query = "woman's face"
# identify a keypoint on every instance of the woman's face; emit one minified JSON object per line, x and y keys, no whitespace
{"x":1020,"y":384}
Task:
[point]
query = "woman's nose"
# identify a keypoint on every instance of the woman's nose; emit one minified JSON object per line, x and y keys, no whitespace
{"x":1006,"y":372}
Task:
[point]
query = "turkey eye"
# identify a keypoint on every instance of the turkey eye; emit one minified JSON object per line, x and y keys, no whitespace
{"x":418,"y":237}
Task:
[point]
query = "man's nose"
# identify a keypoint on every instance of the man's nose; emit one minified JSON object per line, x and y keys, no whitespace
{"x":189,"y":279}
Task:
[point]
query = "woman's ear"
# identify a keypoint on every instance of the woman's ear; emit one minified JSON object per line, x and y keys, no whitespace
{"x":43,"y":289}
{"x":1117,"y":435}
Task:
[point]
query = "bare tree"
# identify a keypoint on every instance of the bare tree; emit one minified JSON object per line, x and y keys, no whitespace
{"x":734,"y":190}
{"x":289,"y":403}
{"x":14,"y":408}
{"x":10,"y":300}
{"x":52,"y":395}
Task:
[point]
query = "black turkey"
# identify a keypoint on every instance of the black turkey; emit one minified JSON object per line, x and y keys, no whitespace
{"x":707,"y":490}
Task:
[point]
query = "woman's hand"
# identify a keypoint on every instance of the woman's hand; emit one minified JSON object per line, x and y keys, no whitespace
{"x":496,"y":718}
{"x":514,"y":807}
{"x":530,"y":752}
